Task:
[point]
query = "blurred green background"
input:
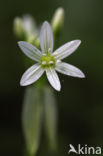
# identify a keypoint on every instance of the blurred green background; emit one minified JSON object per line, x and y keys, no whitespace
{"x":80,"y":102}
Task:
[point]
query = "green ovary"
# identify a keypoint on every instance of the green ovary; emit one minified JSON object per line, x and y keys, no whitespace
{"x":47,"y":61}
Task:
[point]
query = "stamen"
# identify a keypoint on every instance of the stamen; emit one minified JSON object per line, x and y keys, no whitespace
{"x":44,"y":54}
{"x":47,"y":61}
{"x":44,"y":63}
{"x":51,"y":62}
{"x":49,"y":50}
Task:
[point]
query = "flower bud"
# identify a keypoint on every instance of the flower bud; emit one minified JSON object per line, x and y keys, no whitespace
{"x":25,"y":28}
{"x":58,"y":20}
{"x":29,"y":26}
{"x":18,"y":28}
{"x":31,"y":39}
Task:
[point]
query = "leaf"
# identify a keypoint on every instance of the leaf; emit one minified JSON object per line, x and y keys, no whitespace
{"x":50,"y":117}
{"x":32,"y":118}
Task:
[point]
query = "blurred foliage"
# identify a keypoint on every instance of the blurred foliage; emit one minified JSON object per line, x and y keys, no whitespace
{"x":80,"y":102}
{"x":32,"y":117}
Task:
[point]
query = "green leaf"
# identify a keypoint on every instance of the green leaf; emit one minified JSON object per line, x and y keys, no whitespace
{"x":32,"y":118}
{"x":50,"y":117}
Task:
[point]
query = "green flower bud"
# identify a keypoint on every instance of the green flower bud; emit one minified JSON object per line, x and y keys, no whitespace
{"x":25,"y":28}
{"x":18,"y":27}
{"x":57,"y":20}
{"x":31,"y":39}
{"x":37,"y":43}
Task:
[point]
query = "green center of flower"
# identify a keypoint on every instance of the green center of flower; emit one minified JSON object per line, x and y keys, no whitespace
{"x":47,"y":61}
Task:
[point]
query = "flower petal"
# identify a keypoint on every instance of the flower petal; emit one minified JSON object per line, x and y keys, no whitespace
{"x":31,"y":75}
{"x":66,"y":49}
{"x":53,"y":79}
{"x":46,"y":38}
{"x":30,"y":50}
{"x":70,"y":70}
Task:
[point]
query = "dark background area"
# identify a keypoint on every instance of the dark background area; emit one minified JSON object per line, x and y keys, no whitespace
{"x":80,"y":102}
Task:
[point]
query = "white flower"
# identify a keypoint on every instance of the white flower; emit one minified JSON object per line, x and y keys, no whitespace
{"x":47,"y":60}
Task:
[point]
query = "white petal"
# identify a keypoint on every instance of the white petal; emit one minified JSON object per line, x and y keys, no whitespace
{"x":31,"y":75}
{"x":66,"y":49}
{"x":53,"y":79}
{"x":30,"y":50}
{"x":70,"y":70}
{"x":46,"y":38}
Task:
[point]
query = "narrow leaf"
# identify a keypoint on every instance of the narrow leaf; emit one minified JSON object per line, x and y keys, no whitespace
{"x":50,"y":115}
{"x":32,"y":118}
